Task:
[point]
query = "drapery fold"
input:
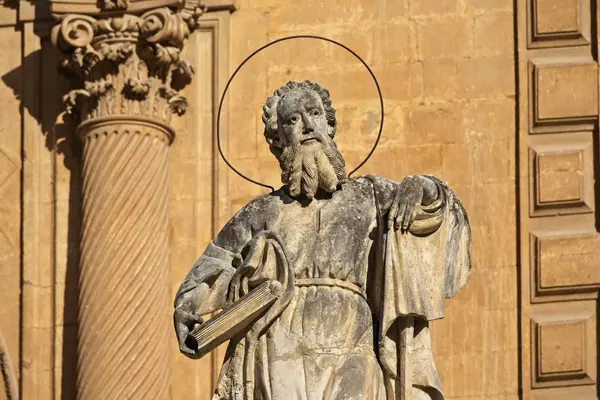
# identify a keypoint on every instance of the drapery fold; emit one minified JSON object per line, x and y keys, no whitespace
{"x":404,"y":282}
{"x":421,"y":267}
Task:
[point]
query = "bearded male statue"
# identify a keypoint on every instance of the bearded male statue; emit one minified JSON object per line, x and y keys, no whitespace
{"x":367,"y":261}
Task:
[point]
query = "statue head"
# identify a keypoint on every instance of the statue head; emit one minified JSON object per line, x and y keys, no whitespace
{"x":300,"y":126}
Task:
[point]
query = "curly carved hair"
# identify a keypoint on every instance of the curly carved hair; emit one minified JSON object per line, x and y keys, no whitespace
{"x":269,"y":116}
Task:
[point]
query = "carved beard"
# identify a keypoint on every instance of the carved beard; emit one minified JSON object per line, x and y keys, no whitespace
{"x":307,"y":167}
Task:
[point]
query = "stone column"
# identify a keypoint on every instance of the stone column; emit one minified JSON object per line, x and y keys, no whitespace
{"x":129,"y":72}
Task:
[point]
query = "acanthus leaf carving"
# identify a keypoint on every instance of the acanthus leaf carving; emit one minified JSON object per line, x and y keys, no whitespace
{"x":87,"y":58}
{"x":192,"y":13}
{"x":136,"y":88}
{"x":130,"y":56}
{"x":99,"y":88}
{"x":72,"y":100}
{"x":178,"y":104}
{"x":167,"y":92}
{"x":117,"y":52}
{"x":183,"y":72}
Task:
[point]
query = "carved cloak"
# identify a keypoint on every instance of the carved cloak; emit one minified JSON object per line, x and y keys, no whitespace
{"x":414,"y":273}
{"x":407,"y":282}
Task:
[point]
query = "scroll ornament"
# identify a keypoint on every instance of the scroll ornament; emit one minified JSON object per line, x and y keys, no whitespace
{"x":127,"y":64}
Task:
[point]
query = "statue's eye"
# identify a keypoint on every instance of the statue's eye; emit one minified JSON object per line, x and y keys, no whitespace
{"x":294,"y":119}
{"x":316,"y":112}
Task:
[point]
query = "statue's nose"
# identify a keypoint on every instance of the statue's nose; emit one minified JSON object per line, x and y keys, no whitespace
{"x":307,"y":126}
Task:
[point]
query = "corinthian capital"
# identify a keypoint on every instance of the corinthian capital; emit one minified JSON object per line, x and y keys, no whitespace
{"x":128,"y":62}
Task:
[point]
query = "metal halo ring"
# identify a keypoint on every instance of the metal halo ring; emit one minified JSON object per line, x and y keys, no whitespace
{"x":268,"y":45}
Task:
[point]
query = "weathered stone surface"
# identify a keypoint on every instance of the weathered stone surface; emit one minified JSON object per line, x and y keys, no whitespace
{"x":485,"y":97}
{"x":454,"y":42}
{"x":196,"y":193}
{"x":562,"y":347}
{"x":317,"y":280}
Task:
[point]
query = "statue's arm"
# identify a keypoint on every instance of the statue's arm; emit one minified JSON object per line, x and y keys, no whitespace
{"x":205,"y":287}
{"x":415,"y":197}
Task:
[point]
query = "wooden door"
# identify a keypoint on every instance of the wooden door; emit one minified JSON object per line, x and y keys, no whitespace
{"x":558,"y":162}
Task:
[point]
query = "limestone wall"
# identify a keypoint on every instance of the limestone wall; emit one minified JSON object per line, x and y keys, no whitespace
{"x":446,"y":69}
{"x":447,"y":72}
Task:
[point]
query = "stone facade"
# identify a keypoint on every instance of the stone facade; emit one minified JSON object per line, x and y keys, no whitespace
{"x":447,"y":74}
{"x":456,"y":78}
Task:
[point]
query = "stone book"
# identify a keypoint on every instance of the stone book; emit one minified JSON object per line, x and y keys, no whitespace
{"x":233,"y":319}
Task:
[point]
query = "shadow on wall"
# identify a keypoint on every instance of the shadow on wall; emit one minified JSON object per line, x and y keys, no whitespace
{"x":39,"y":88}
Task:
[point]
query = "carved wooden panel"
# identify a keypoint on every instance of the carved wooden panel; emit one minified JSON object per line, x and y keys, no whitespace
{"x":564,"y":96}
{"x":559,"y":242}
{"x":561,"y":175}
{"x":559,"y":23}
{"x":565,"y":263}
{"x":564,"y":344}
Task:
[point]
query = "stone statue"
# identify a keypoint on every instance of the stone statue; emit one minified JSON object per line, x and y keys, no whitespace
{"x":354,"y":270}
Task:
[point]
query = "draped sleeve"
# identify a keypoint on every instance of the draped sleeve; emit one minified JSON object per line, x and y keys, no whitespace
{"x":417,"y":270}
{"x":212,"y":272}
{"x":430,"y":262}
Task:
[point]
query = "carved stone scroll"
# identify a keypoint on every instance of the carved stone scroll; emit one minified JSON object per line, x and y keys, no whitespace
{"x":127,"y":62}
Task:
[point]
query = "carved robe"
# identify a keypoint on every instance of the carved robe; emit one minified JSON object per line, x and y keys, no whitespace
{"x":356,"y":326}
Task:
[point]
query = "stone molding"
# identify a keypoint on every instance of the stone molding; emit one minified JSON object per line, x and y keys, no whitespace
{"x":163,"y":132}
{"x":107,"y":7}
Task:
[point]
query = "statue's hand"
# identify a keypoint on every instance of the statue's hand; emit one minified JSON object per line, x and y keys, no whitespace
{"x":185,"y":320}
{"x":409,"y":196}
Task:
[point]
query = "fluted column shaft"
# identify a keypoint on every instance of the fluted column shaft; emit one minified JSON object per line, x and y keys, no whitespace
{"x":124,"y":318}
{"x":131,"y":72}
